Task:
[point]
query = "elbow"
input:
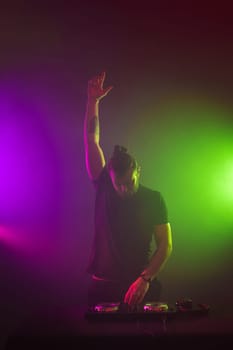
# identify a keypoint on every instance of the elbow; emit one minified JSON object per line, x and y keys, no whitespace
{"x":169,"y":250}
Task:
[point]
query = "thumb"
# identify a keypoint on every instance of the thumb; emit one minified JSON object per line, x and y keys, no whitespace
{"x":107,"y":90}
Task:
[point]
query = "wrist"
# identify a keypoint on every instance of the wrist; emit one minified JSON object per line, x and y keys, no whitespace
{"x":145,"y":278}
{"x":92,"y":100}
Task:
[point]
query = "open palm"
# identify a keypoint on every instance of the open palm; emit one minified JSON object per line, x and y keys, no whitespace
{"x":95,"y":87}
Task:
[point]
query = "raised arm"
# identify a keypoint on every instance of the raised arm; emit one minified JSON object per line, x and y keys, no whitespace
{"x":94,"y":155}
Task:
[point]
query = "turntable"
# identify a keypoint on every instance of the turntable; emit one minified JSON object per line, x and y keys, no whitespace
{"x":108,"y":311}
{"x":149,"y":311}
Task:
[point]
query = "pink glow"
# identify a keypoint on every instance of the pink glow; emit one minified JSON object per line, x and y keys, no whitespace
{"x":21,"y":241}
{"x":26,"y":174}
{"x":29,"y":181}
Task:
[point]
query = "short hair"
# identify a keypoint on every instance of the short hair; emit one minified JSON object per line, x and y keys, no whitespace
{"x":121,"y":161}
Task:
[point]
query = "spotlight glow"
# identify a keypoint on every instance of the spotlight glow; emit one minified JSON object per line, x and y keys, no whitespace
{"x":191,"y":163}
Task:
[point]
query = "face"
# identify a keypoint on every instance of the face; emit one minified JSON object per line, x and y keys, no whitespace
{"x":126,"y":185}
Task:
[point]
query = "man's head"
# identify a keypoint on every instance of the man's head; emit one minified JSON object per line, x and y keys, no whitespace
{"x":124,"y":172}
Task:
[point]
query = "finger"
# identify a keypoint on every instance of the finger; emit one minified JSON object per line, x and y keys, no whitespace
{"x":140,"y":299}
{"x":92,"y":82}
{"x":132,"y":299}
{"x":126,"y":298}
{"x":102,"y":78}
{"x":103,"y":75}
{"x":95,"y":79}
{"x":106,"y":91}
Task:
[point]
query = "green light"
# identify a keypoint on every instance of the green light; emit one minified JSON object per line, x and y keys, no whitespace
{"x":185,"y":150}
{"x":225,"y":181}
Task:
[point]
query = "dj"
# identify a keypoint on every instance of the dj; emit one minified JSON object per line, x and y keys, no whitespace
{"x":132,"y":239}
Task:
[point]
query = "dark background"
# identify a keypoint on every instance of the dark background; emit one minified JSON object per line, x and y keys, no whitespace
{"x":48,"y":53}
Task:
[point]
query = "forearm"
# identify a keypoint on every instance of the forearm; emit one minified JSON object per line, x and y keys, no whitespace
{"x":95,"y":160}
{"x":91,"y":123}
{"x":94,"y":156}
{"x":157,"y":262}
{"x":140,"y":286}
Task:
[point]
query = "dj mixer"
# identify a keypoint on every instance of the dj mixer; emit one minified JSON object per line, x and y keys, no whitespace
{"x":113,"y":311}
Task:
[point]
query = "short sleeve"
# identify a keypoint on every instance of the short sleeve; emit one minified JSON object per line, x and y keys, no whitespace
{"x":162,"y":212}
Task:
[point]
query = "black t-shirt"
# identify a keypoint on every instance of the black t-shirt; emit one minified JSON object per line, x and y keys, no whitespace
{"x":123,"y":238}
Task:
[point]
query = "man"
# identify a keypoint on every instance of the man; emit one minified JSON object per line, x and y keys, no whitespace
{"x":132,"y":239}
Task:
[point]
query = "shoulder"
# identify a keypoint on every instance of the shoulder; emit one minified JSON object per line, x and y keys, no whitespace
{"x":153,"y":198}
{"x":149,"y":193}
{"x":103,"y":179}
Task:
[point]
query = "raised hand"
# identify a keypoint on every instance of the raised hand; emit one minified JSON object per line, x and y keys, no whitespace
{"x":95,"y":87}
